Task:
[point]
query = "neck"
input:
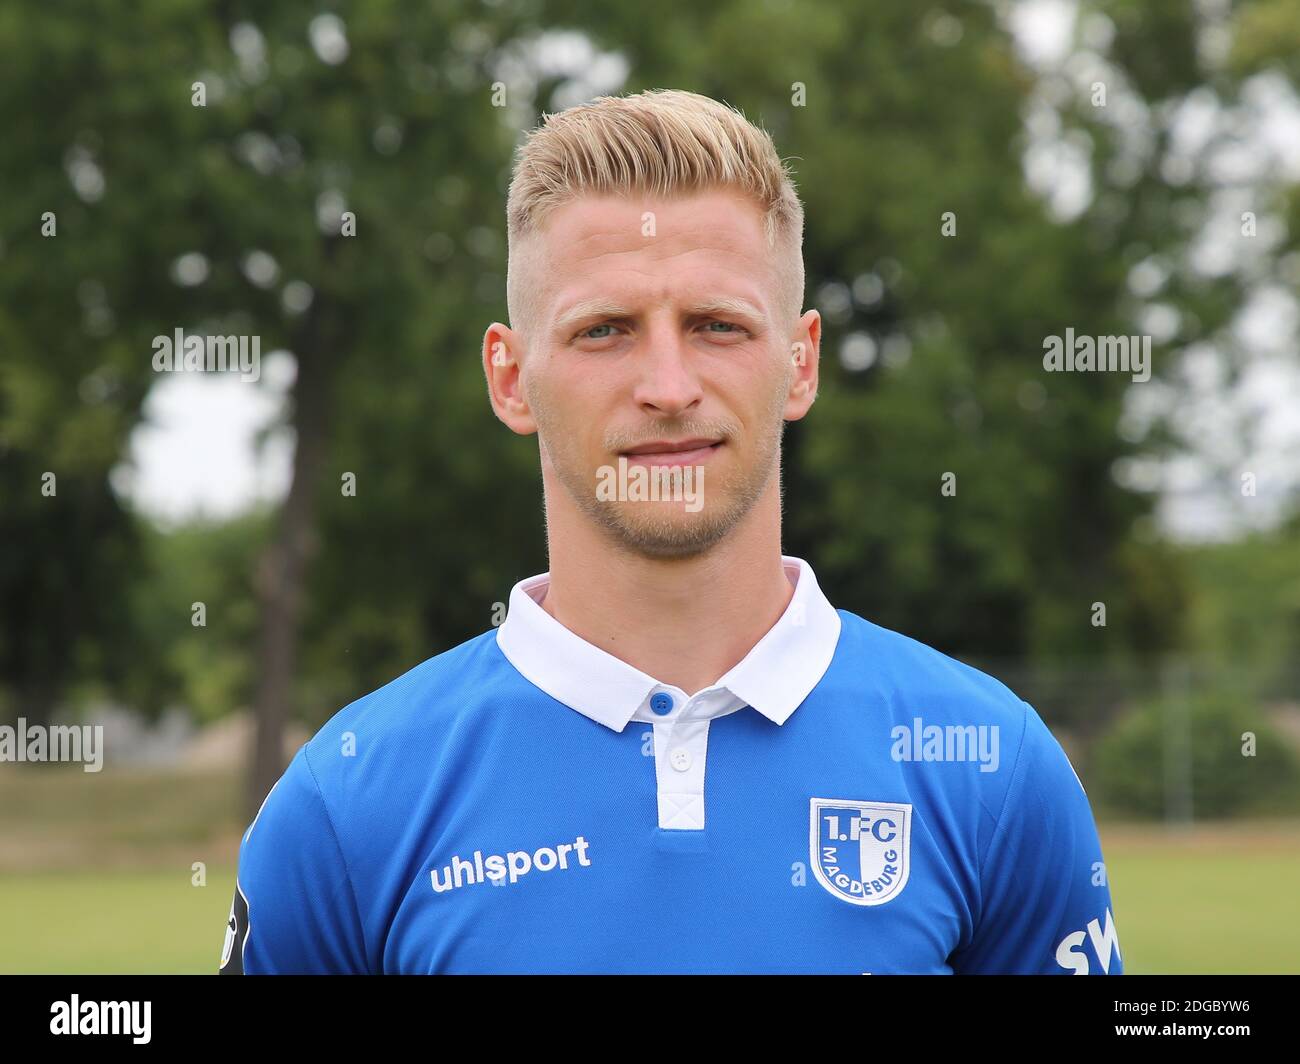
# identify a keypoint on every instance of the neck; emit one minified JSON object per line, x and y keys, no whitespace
{"x":684,"y":621}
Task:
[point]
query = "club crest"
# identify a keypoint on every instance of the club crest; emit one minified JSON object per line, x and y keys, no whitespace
{"x":861,"y":851}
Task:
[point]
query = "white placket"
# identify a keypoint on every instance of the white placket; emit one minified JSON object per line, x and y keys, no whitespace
{"x":681,"y":748}
{"x":681,"y":740}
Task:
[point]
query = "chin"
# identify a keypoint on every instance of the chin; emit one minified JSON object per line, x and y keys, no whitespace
{"x":660,"y":534}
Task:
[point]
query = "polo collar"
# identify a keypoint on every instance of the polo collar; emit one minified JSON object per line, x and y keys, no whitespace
{"x":774,"y":677}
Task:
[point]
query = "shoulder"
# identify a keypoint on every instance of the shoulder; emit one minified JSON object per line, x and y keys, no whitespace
{"x":940,"y":709}
{"x":929,"y":697}
{"x":912,"y":675}
{"x":374,"y":736}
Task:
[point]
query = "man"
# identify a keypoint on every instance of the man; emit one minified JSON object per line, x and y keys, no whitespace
{"x":674,"y":755}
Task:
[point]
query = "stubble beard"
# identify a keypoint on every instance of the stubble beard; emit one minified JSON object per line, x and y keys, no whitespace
{"x":664,"y":530}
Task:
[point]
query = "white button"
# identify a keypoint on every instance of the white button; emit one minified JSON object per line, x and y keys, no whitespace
{"x":681,"y":760}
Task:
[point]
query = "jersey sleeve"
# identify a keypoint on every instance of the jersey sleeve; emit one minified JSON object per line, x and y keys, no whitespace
{"x":294,"y":910}
{"x":1045,"y":905}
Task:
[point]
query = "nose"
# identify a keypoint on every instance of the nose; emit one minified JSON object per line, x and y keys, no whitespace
{"x":668,"y":384}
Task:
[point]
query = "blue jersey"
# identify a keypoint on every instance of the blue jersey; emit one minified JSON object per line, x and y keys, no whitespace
{"x":526,"y":802}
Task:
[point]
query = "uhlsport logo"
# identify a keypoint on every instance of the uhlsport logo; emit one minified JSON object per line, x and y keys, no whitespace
{"x":498,"y":870}
{"x":860,"y":850}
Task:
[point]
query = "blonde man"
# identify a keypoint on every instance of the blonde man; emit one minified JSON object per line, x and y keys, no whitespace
{"x":675,"y":755}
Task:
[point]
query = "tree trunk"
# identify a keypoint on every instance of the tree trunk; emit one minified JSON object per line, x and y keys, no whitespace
{"x":282,"y":568}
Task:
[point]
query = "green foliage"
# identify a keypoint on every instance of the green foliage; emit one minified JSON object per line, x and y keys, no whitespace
{"x":1245,"y":605}
{"x":902,"y":122}
{"x":1130,"y":763}
{"x":205,"y":667}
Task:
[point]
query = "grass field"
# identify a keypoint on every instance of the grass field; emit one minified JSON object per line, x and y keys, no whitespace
{"x":1222,"y":898}
{"x":115,"y":921}
{"x":98,"y":876}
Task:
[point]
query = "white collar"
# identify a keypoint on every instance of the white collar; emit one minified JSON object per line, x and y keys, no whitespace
{"x":774,"y":677}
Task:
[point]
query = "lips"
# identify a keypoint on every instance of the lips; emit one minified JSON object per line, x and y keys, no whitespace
{"x":673,"y":452}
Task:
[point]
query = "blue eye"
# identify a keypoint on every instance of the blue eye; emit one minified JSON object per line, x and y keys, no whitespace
{"x":603,"y":325}
{"x":728,"y":324}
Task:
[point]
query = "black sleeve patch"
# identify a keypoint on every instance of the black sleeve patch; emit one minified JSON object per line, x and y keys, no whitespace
{"x":232,"y":952}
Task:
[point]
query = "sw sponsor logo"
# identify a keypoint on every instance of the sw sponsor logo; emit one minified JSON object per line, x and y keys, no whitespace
{"x":1069,"y":952}
{"x":860,"y":851}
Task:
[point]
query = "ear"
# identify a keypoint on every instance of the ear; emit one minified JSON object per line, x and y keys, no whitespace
{"x":502,"y":365}
{"x":805,"y":351}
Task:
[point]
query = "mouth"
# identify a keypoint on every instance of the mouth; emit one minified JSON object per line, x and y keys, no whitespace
{"x":672,"y":452}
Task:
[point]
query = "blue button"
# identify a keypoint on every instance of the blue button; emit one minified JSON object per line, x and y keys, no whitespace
{"x":661,"y":703}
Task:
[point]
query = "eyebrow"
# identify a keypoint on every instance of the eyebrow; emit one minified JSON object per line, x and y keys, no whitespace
{"x":602,"y":307}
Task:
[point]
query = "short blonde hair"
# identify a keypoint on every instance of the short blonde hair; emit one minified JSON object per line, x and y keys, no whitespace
{"x":662,"y":142}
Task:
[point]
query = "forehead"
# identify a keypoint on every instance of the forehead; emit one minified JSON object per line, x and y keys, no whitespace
{"x":633,"y":248}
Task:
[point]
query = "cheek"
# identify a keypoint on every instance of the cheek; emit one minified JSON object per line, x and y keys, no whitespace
{"x":568,"y":411}
{"x":757,"y":396}
{"x":545,"y":392}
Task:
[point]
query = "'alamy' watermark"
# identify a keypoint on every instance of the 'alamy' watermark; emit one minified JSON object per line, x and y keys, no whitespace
{"x":951,"y":742}
{"x":644,"y":483}
{"x":1104,"y":354}
{"x":57,"y":742}
{"x":79,"y":1017}
{"x":179,"y":353}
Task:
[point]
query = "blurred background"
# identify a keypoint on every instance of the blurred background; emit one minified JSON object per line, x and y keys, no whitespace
{"x":209,"y":567}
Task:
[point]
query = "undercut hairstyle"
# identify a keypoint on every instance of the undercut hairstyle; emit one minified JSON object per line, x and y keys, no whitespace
{"x":663,"y":143}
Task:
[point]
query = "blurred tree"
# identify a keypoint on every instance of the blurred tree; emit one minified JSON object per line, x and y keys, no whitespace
{"x":341,"y":196}
{"x":293,"y":178}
